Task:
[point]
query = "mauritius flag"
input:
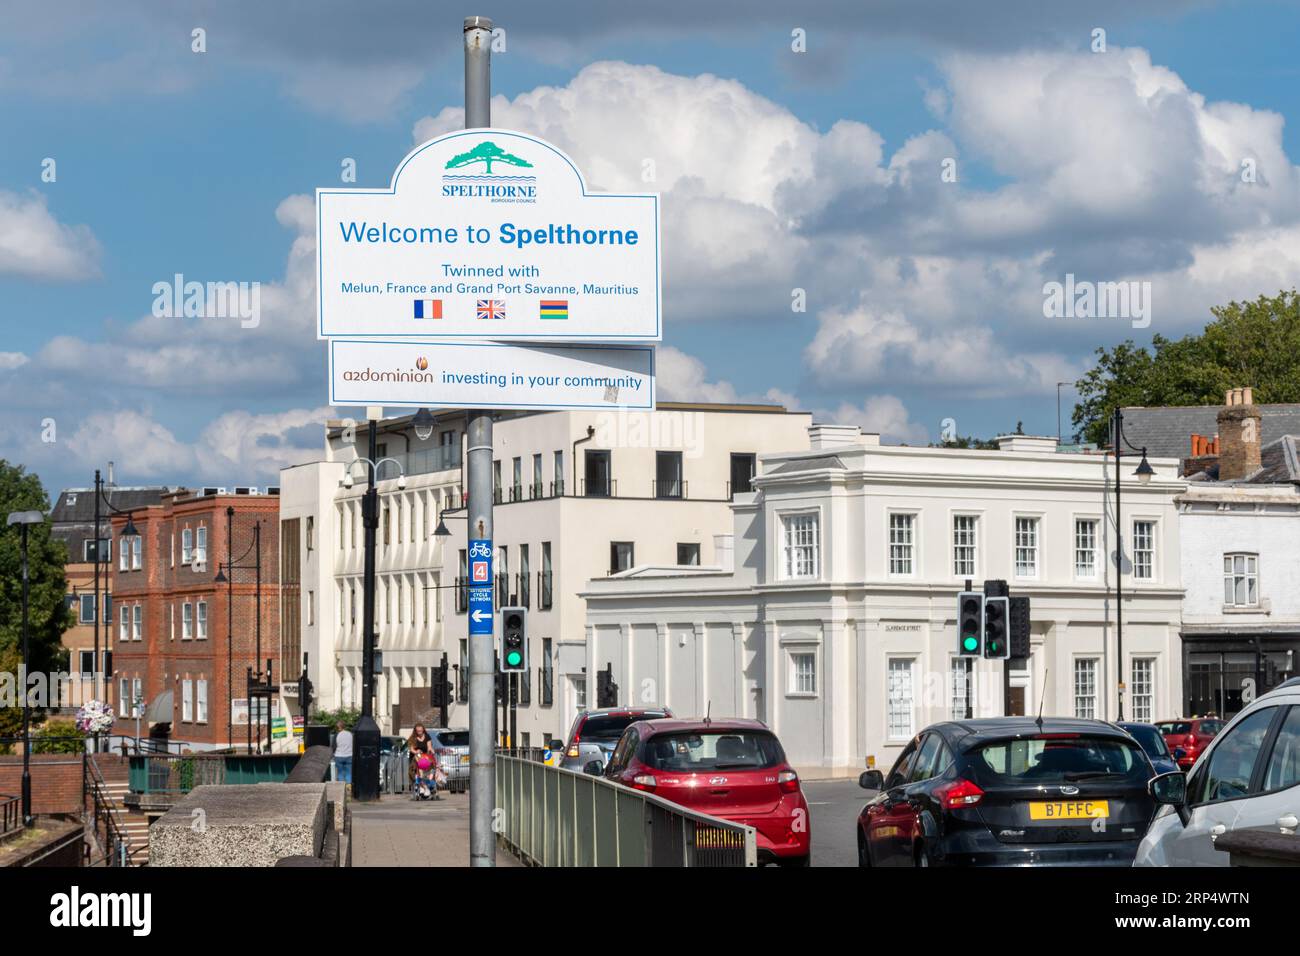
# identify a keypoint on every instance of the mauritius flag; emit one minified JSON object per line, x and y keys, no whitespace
{"x":428,"y":308}
{"x":555,"y":308}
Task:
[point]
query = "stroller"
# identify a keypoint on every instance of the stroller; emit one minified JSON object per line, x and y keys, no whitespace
{"x":429,"y":776}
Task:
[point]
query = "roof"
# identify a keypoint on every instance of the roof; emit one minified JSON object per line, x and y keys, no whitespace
{"x":1166,"y":432}
{"x":72,"y":520}
{"x":1000,"y":728}
{"x":677,"y":725}
{"x":806,"y":464}
{"x":1279,"y":464}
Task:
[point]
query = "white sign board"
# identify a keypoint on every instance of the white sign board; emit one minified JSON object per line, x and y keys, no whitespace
{"x":488,"y":234}
{"x":490,"y":375}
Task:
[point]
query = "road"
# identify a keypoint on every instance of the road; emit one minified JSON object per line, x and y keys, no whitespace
{"x":833,"y":806}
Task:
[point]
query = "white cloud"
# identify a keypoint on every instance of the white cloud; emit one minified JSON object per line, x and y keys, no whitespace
{"x":885,"y":415}
{"x":35,"y":245}
{"x":12,"y":360}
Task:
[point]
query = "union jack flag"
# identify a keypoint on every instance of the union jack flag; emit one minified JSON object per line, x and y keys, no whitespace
{"x":491,"y":309}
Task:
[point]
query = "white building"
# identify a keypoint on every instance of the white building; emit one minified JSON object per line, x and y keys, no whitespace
{"x":1240,"y":532}
{"x":835,"y":621}
{"x":580,"y":494}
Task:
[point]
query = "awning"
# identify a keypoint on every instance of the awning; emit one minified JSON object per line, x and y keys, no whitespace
{"x":160,"y":708}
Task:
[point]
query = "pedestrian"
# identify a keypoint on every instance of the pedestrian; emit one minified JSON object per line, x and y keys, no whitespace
{"x":422,"y":763}
{"x":343,"y":755}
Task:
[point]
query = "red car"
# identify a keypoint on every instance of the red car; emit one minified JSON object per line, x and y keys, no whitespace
{"x":1190,"y":735}
{"x":734,"y":769}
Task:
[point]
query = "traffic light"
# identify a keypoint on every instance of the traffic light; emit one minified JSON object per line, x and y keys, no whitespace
{"x":1020,"y":627}
{"x":514,"y":640}
{"x":996,"y":633}
{"x":606,"y":689}
{"x":970,"y":624}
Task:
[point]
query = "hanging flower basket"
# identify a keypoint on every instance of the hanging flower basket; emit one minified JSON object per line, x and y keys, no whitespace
{"x":94,"y":717}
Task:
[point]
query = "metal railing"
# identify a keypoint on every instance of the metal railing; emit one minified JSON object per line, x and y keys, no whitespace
{"x":668,"y":488}
{"x":181,"y":773}
{"x":105,"y":823}
{"x":555,"y":817}
{"x":11,"y":813}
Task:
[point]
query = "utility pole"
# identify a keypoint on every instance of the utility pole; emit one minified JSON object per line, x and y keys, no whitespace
{"x":482,"y":713}
{"x":365,"y":735}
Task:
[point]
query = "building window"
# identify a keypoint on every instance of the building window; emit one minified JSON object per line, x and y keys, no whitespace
{"x":388,"y":526}
{"x":544,"y":585}
{"x":688,"y":553}
{"x":579,"y":686}
{"x":137,"y":622}
{"x":311,"y":608}
{"x":124,"y":557}
{"x":1085,"y":688}
{"x":557,"y":483}
{"x":1144,"y":550}
{"x":310,"y":534}
{"x":137,"y":696}
{"x":537,"y":475}
{"x":668,"y":475}
{"x":1085,"y":547}
{"x":123,"y":695}
{"x":124,"y":623}
{"x":598,"y":482}
{"x":620,"y":556}
{"x":171,"y":622}
{"x":742,"y":474}
{"x":964,"y":542}
{"x":187,"y":701}
{"x":187,"y":621}
{"x":800,"y":545}
{"x":203,"y":621}
{"x":86,"y":612}
{"x":961,"y":689}
{"x":87,"y":663}
{"x":201,"y":701}
{"x":496,"y":481}
{"x":1026,"y":547}
{"x":803,"y":673}
{"x":1241,"y":580}
{"x":517,"y":479}
{"x":548,"y":673}
{"x":899,"y":720}
{"x":187,"y":546}
{"x":900,"y":543}
{"x":137,"y":552}
{"x":525,"y":588}
{"x":1144,"y":684}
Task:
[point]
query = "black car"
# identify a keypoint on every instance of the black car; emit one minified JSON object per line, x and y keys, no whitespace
{"x":1009,"y":791}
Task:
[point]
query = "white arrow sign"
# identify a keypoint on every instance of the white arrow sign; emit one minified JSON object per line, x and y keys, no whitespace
{"x":480,"y":616}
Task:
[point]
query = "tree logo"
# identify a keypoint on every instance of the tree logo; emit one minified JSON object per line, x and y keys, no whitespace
{"x":483,"y":179}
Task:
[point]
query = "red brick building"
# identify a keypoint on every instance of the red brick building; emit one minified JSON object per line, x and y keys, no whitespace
{"x":176,"y":629}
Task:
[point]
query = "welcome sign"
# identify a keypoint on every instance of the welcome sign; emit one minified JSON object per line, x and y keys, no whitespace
{"x":488,"y":234}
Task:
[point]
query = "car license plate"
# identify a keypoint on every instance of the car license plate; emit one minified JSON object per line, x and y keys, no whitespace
{"x":1069,"y":810}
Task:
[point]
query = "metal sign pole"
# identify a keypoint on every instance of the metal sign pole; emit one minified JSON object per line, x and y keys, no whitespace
{"x":482,"y":713}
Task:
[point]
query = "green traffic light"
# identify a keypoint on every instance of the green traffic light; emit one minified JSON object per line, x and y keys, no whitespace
{"x":970,"y":643}
{"x":513,"y":658}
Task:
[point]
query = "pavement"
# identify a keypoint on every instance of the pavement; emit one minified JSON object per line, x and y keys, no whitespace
{"x":398,"y":831}
{"x":833,"y":808}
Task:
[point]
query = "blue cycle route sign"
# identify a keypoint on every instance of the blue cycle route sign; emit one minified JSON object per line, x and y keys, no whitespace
{"x":480,"y":586}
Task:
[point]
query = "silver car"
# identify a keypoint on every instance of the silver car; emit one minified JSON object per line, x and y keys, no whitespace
{"x":452,"y":748}
{"x":1249,"y":776}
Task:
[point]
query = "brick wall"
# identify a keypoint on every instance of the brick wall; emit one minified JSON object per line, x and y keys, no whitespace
{"x":56,"y":781}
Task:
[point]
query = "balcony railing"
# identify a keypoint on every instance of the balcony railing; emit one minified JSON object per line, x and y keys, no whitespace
{"x":674,"y":488}
{"x":535,"y":490}
{"x":557,"y":488}
{"x":516,"y":492}
{"x":599,"y":489}
{"x":544,"y":590}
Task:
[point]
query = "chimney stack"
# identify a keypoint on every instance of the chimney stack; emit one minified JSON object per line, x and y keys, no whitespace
{"x":1239,"y":435}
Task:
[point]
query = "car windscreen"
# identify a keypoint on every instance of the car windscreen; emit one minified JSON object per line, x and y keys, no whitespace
{"x":453,"y":738}
{"x":1175,"y":727}
{"x":607,"y":728}
{"x":1150,"y":739}
{"x":1057,"y":759}
{"x":691,"y":751}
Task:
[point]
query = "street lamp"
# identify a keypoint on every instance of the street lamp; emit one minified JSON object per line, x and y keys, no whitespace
{"x":24,"y":520}
{"x":1143,"y":473}
{"x":365,"y":735}
{"x":232,"y":565}
{"x":423,"y":423}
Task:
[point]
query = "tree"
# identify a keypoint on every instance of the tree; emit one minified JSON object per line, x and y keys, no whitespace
{"x":348,"y":715}
{"x":48,"y":615}
{"x":59,"y":736}
{"x":1248,"y":343}
{"x":487,"y":153}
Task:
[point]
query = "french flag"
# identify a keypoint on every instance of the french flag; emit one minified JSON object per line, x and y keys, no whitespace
{"x":428,"y":308}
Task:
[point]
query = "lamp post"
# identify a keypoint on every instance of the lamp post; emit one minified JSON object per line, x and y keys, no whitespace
{"x":24,"y":520}
{"x":1143,"y":473}
{"x":365,"y":735}
{"x":232,"y":565}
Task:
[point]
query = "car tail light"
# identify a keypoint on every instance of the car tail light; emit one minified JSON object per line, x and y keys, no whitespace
{"x":958,"y":794}
{"x":788,"y":781}
{"x":573,"y":747}
{"x":643,"y":781}
{"x":1191,"y":740}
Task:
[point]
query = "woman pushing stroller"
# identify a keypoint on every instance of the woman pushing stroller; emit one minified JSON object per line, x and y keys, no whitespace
{"x":424,"y":770}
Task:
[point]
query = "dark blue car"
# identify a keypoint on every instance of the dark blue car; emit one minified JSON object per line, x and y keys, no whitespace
{"x":1153,"y":745}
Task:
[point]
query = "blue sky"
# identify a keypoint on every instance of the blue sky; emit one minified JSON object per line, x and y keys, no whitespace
{"x":924,"y":302}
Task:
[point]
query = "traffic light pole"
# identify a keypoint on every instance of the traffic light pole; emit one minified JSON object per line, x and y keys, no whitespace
{"x":482,"y":712}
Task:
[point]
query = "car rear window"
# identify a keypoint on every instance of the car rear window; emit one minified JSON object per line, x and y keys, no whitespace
{"x":1150,"y":739}
{"x":713,"y":750}
{"x":609,"y":727}
{"x":453,"y":738}
{"x":1057,"y":759}
{"x":1175,"y":727}
{"x":1211,"y":727}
